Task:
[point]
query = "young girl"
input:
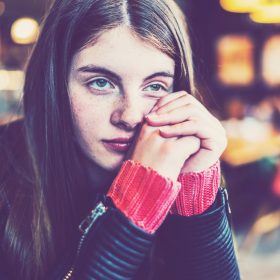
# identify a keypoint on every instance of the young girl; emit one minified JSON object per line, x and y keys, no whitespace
{"x":113,"y":173}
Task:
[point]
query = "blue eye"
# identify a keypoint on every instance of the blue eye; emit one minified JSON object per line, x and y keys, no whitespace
{"x":155,"y":87}
{"x":100,"y":84}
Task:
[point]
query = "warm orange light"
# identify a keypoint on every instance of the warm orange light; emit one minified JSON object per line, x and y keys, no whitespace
{"x":267,"y":13}
{"x":239,"y":6}
{"x":271,"y":61}
{"x":235,"y":60}
{"x":260,"y":11}
{"x":11,"y":80}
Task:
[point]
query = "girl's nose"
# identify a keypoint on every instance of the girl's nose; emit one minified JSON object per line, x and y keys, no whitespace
{"x":129,"y":112}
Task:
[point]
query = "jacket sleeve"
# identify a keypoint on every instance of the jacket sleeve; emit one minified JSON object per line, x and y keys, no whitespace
{"x":200,"y":247}
{"x":112,"y":247}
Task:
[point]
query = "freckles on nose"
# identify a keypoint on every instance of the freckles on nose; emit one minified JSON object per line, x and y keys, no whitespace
{"x":131,"y":112}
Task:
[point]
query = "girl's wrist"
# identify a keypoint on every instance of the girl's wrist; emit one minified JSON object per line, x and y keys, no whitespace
{"x":198,"y":191}
{"x":143,"y":195}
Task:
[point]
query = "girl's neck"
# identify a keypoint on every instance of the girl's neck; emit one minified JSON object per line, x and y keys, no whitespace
{"x":99,"y":178}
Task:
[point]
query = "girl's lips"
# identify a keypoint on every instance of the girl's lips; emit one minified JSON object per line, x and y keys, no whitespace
{"x":119,"y":145}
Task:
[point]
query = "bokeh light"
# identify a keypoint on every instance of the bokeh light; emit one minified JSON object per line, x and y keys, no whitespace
{"x":271,"y":61}
{"x":266,"y":13}
{"x":239,"y":6}
{"x":25,"y":31}
{"x":11,"y":80}
{"x":235,"y":60}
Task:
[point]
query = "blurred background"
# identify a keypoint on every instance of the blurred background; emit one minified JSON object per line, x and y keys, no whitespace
{"x":237,"y":60}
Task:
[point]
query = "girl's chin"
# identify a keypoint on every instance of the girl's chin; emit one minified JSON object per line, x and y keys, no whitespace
{"x":109,"y":162}
{"x":112,"y":165}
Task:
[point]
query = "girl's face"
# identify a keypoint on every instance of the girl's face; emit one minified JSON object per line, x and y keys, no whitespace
{"x":113,"y":84}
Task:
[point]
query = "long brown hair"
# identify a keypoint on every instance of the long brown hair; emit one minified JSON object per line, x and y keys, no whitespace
{"x":52,"y":163}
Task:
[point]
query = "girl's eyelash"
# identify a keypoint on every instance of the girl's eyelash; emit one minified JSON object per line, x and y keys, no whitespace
{"x":158,"y":84}
{"x":90,"y":82}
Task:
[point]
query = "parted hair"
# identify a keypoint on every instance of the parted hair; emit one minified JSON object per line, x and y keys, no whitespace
{"x":52,"y":171}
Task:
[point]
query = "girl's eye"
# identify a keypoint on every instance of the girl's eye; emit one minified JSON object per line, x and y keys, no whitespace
{"x":155,"y":87}
{"x":100,"y":84}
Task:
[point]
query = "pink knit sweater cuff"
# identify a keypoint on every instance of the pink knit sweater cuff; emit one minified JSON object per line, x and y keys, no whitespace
{"x":143,"y":195}
{"x":198,"y":191}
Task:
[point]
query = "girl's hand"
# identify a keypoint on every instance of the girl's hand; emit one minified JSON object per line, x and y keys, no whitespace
{"x":181,"y":116}
{"x":166,"y":155}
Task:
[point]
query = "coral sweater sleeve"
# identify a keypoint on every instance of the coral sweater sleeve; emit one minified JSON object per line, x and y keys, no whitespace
{"x":143,"y":195}
{"x":198,"y":191}
{"x":146,"y":197}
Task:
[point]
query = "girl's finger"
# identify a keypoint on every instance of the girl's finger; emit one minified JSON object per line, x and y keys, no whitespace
{"x":169,"y":98}
{"x":211,"y":138}
{"x":189,"y":145}
{"x":185,"y":99}
{"x":178,"y":115}
{"x":188,"y":128}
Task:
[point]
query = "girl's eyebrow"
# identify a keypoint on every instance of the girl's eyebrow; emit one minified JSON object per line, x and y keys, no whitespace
{"x":111,"y":74}
{"x":101,"y":70}
{"x":160,"y":74}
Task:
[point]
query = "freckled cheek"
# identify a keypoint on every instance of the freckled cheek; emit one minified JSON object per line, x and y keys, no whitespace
{"x":90,"y":118}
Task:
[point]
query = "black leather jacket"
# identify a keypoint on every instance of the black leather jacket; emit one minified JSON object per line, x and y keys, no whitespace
{"x":113,"y":248}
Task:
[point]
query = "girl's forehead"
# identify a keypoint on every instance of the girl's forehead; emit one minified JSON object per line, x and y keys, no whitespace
{"x":120,"y":49}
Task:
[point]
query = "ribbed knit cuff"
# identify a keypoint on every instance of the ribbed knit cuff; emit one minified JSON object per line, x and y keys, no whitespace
{"x":198,"y":191}
{"x":143,"y":195}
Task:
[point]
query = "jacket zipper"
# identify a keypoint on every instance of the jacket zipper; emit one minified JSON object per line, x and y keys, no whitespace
{"x":84,"y":227}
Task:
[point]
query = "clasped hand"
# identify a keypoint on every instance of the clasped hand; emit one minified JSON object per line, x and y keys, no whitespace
{"x":179,"y":135}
